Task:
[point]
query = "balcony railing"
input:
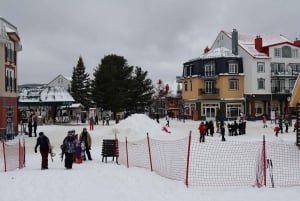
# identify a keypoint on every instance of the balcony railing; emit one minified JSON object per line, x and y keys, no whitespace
{"x":208,"y":92}
{"x":285,"y":74}
{"x":281,"y":90}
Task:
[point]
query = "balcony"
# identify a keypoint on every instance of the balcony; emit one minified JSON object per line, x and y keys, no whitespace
{"x":208,"y":92}
{"x":281,"y":90}
{"x":285,"y":74}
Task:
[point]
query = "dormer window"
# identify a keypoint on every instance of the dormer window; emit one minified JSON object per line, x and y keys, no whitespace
{"x":233,"y":68}
{"x":210,"y":70}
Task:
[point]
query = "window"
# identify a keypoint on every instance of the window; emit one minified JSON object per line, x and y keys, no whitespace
{"x":233,"y":84}
{"x":209,"y":70}
{"x":233,"y":110}
{"x":295,"y":53}
{"x":233,"y":68}
{"x":278,"y":85}
{"x":10,"y":80}
{"x":286,"y":52}
{"x":291,"y":84}
{"x":191,"y":70}
{"x":185,"y":86}
{"x":258,"y":108}
{"x":261,"y":83}
{"x":260,"y":67}
{"x":9,"y":53}
{"x":277,"y":68}
{"x":210,"y":86}
{"x":191,"y":85}
{"x":185,"y":71}
{"x":277,"y":52}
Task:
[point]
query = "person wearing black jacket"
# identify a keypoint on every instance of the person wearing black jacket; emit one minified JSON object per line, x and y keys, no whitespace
{"x":45,"y":148}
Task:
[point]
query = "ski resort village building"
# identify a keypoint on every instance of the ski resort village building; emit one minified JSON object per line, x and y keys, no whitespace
{"x":242,"y":74}
{"x":10,"y":45}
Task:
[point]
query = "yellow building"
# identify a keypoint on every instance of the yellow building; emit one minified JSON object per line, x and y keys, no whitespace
{"x":212,"y":85}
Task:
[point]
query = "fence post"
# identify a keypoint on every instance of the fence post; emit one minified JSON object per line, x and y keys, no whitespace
{"x":19,"y":153}
{"x":149,"y":150}
{"x":126,"y":153}
{"x":4,"y":156}
{"x":24,"y":162}
{"x":188,"y":160}
{"x":264,"y":161}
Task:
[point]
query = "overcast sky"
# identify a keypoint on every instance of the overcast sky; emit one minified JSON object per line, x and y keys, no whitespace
{"x":156,"y":35}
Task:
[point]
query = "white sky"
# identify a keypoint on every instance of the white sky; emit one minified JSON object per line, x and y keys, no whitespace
{"x":157,"y":35}
{"x":94,"y":180}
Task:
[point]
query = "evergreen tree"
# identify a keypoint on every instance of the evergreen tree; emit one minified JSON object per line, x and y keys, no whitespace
{"x":117,"y":87}
{"x":111,"y":83}
{"x":80,"y":85}
{"x":141,"y":91}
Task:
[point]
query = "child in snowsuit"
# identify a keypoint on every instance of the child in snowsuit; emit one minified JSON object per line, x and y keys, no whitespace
{"x":68,"y":149}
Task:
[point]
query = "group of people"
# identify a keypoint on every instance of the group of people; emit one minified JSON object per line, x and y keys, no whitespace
{"x":206,"y":129}
{"x":279,"y":128}
{"x":74,"y":148}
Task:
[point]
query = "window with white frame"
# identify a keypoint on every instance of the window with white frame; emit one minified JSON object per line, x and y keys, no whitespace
{"x":277,"y":52}
{"x":233,"y":68}
{"x":261,"y":83}
{"x":185,"y":71}
{"x":209,"y":70}
{"x":233,"y":84}
{"x":191,"y":70}
{"x":260,"y":67}
{"x":210,"y":86}
{"x":295,"y":53}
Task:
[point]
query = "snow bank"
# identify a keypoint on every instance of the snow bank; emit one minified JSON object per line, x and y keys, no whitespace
{"x":136,"y":127}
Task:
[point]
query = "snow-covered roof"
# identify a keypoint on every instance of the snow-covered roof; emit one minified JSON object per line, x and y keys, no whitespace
{"x":247,"y":42}
{"x":218,"y":52}
{"x":44,"y":94}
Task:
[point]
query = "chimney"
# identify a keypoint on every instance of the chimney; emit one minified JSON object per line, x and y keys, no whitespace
{"x":234,"y":42}
{"x":206,"y":50}
{"x":297,"y":42}
{"x":258,"y":43}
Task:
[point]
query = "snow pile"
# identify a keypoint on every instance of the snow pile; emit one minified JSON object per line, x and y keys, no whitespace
{"x":136,"y":127}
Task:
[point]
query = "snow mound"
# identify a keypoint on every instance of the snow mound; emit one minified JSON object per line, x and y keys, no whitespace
{"x":136,"y":127}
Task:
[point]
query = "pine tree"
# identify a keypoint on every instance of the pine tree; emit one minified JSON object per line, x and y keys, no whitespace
{"x":80,"y":85}
{"x":117,"y":87}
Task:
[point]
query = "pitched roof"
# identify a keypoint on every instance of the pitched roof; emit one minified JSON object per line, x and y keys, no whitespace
{"x":247,"y":42}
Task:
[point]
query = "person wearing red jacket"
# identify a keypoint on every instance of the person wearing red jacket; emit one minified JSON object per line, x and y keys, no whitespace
{"x":202,"y":129}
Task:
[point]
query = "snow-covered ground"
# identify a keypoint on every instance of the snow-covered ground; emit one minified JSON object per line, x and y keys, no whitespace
{"x":94,"y":180}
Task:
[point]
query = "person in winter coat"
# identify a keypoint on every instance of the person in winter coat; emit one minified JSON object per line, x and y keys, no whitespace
{"x":30,"y":127}
{"x":276,"y":130}
{"x":45,"y":148}
{"x":264,"y":120}
{"x":85,"y":138}
{"x":34,"y":118}
{"x":286,"y":123}
{"x":202,"y":130}
{"x":68,"y":149}
{"x":222,"y":127}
